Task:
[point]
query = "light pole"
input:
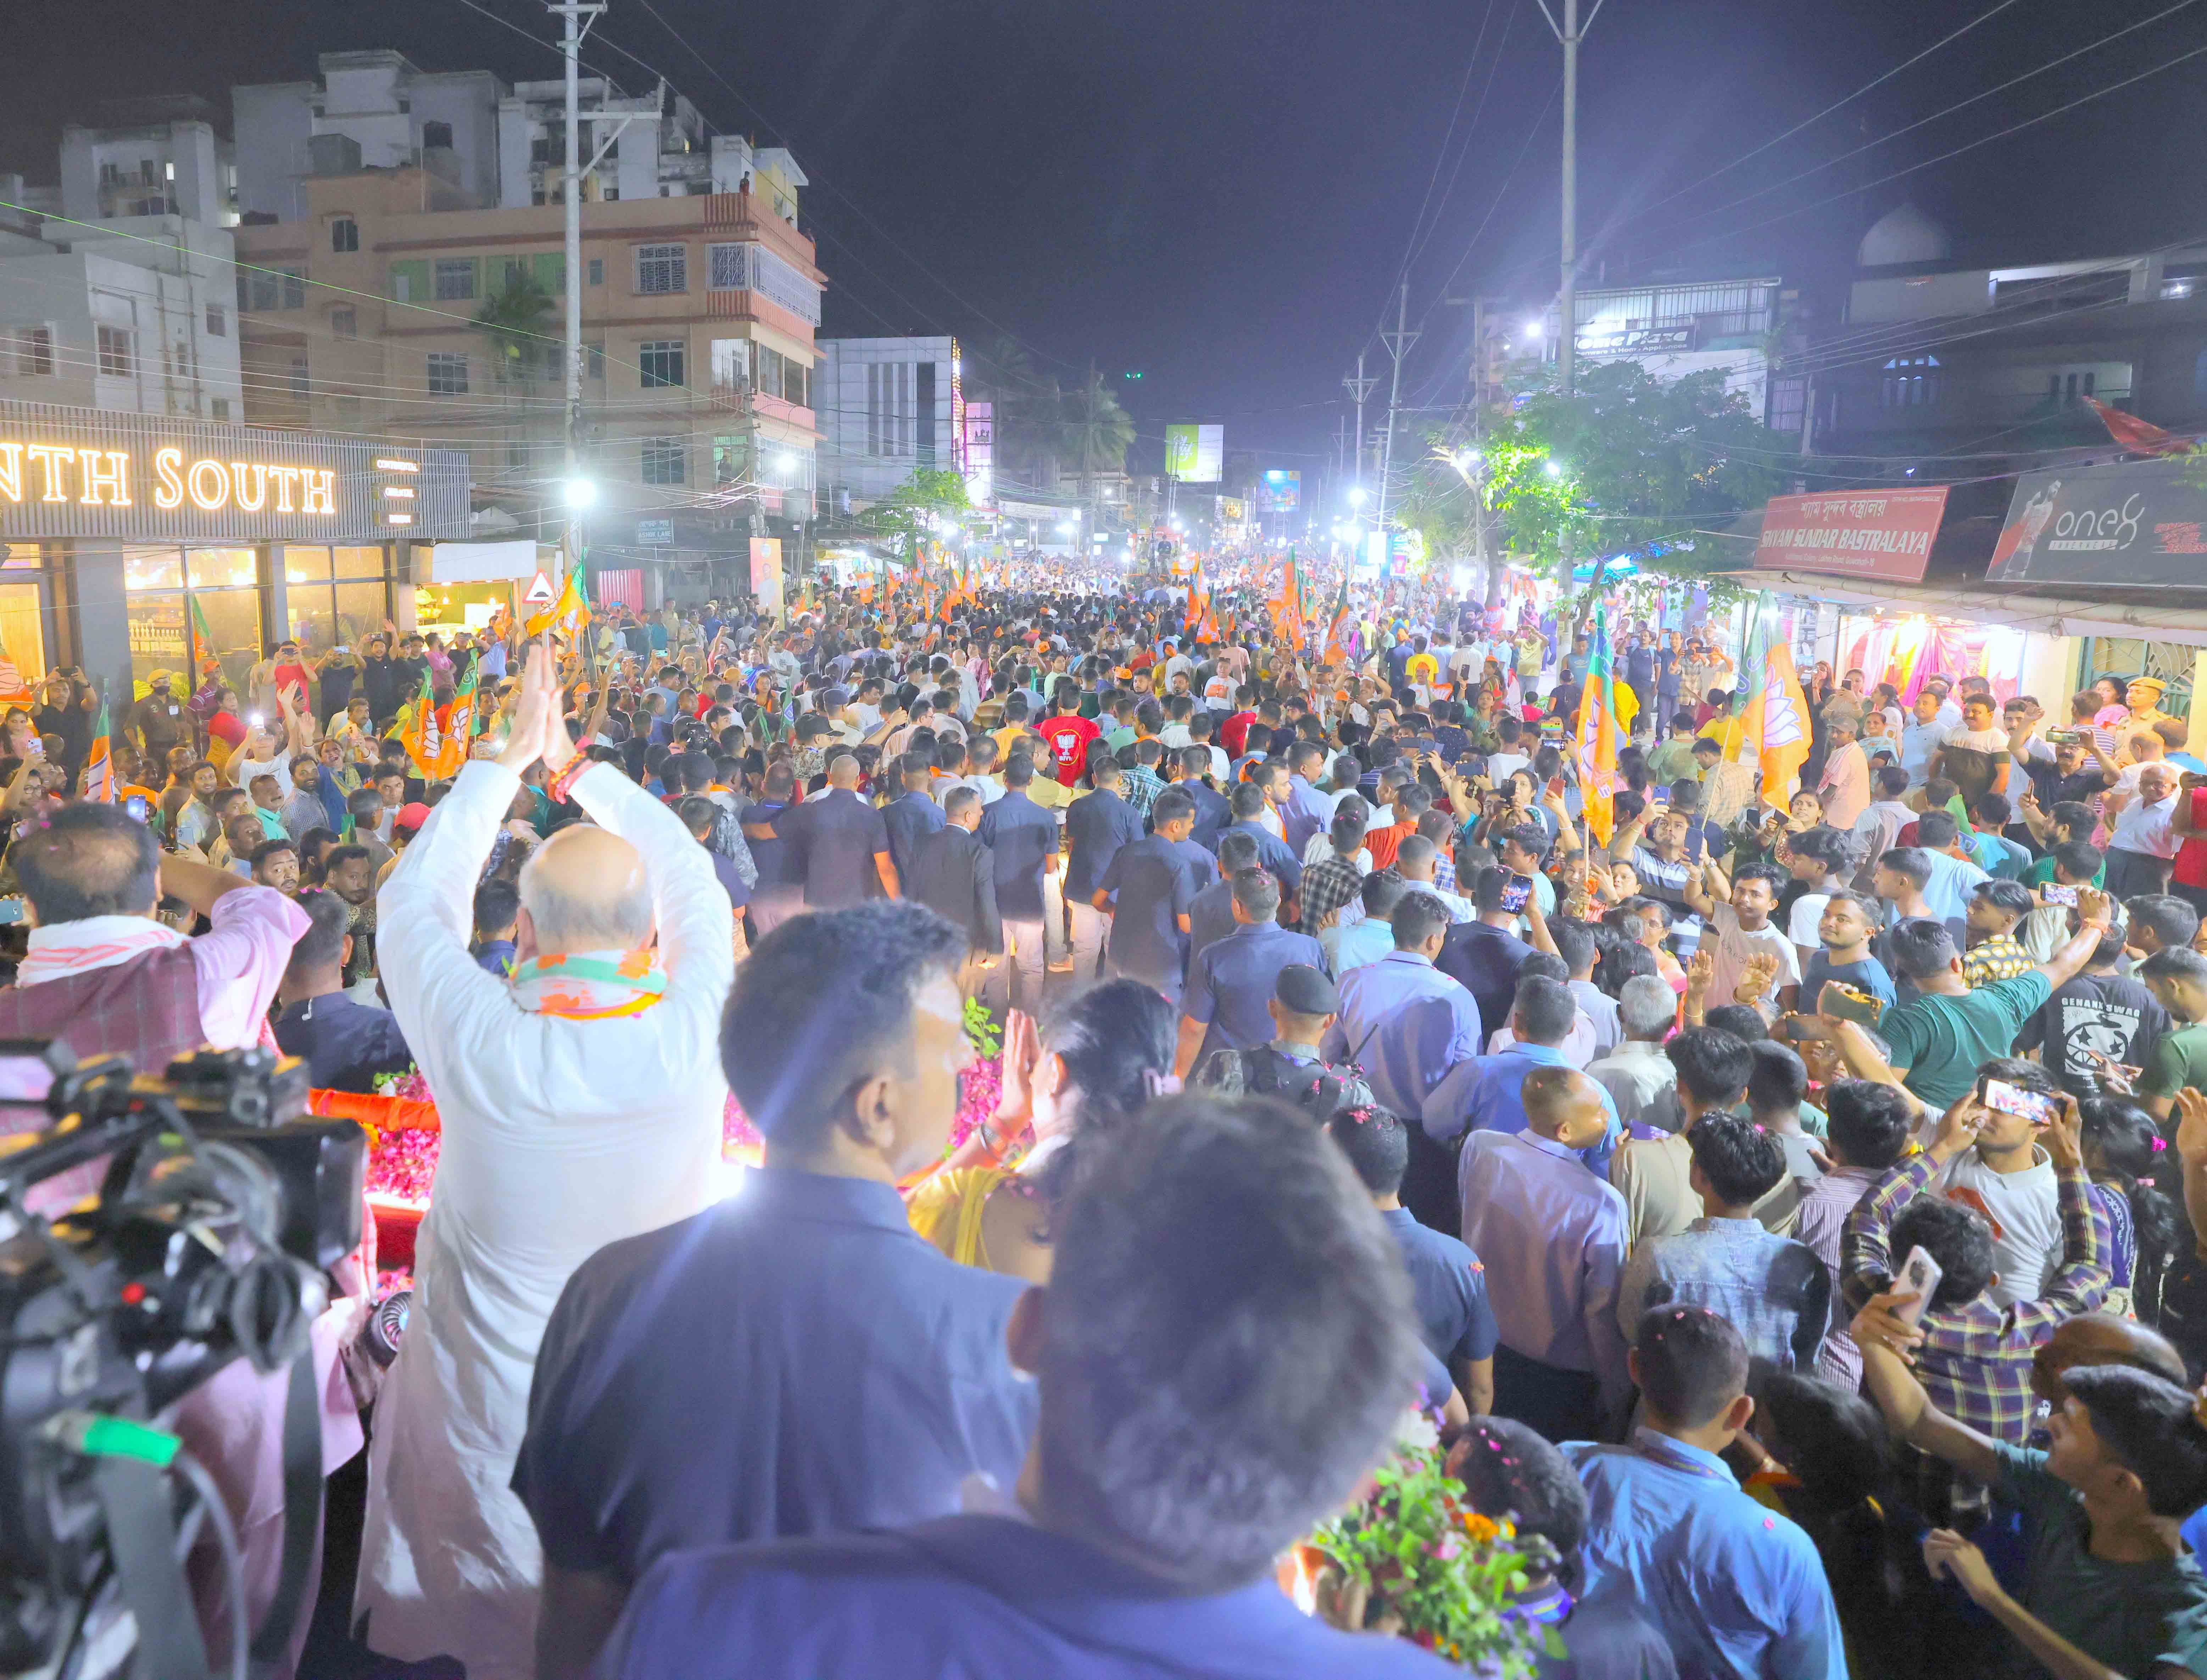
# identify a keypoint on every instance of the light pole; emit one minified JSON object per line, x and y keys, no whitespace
{"x":1570,"y":32}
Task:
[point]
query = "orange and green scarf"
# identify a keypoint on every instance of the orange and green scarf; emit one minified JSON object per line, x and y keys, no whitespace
{"x":589,"y":985}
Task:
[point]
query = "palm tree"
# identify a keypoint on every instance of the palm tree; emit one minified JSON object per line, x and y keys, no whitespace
{"x":1027,"y":416}
{"x":517,"y":321}
{"x":1095,"y":431}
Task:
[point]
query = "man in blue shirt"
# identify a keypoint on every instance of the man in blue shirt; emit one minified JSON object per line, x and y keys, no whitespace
{"x":1485,"y":953}
{"x":1212,"y":810}
{"x":912,"y":816}
{"x":794,"y":1361}
{"x":1231,"y":981}
{"x":1489,"y":1095}
{"x":1150,"y":890}
{"x":1023,"y":838}
{"x":1203,"y":1407}
{"x":1211,"y":918}
{"x":1306,"y":813}
{"x":838,"y":844}
{"x":1096,"y":827}
{"x":1272,"y":852}
{"x":1407,"y":1026}
{"x":1448,"y":1285}
{"x":1734,"y":1588}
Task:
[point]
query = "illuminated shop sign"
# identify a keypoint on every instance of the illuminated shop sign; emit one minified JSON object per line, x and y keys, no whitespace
{"x":80,"y":472}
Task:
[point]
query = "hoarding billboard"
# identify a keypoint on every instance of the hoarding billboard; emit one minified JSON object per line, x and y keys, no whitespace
{"x":1195,"y":454}
{"x":2124,"y":523}
{"x":1876,"y":534}
{"x":766,"y":571}
{"x":1279,"y":491}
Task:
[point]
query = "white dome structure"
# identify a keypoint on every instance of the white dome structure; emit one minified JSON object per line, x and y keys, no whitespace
{"x":1903,"y":234}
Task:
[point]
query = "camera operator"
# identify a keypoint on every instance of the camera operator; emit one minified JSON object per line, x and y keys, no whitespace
{"x":105,"y":977}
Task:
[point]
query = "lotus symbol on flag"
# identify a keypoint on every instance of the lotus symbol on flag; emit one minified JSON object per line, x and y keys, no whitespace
{"x":1781,"y":723}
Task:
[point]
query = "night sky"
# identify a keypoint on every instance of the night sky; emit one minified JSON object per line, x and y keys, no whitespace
{"x":1222,"y":195}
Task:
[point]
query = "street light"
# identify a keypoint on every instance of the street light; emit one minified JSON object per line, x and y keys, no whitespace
{"x":579,"y":491}
{"x":1065,"y":528}
{"x":785,"y":462}
{"x":1466,"y":459}
{"x":1536,"y":328}
{"x":1356,"y":495}
{"x":1553,"y":469}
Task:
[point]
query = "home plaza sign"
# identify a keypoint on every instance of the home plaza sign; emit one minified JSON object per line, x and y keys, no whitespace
{"x":83,"y":473}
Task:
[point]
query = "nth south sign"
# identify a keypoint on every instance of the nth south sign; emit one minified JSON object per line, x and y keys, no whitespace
{"x":69,"y":472}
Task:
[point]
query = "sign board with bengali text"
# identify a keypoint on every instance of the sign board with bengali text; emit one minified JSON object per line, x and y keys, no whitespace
{"x":1885,"y":534}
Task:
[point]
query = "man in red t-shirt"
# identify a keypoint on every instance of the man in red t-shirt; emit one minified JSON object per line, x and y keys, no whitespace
{"x":1068,"y":734}
{"x":1234,"y":734}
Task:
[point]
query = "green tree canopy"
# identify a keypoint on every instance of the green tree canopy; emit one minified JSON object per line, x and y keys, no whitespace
{"x":1096,"y":431}
{"x":1626,"y":462}
{"x":517,"y":319}
{"x":908,"y":515}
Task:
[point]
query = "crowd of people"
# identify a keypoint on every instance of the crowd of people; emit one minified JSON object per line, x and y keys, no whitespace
{"x":1800,"y":1190}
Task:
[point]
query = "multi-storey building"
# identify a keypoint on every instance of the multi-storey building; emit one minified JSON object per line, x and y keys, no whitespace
{"x":886,"y":407}
{"x":374,"y":310}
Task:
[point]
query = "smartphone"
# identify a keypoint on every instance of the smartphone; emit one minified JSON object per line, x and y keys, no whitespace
{"x":1556,"y":786}
{"x":1659,"y":796}
{"x":11,"y":911}
{"x":1517,"y":894}
{"x":341,"y":649}
{"x":1919,"y":1277}
{"x":2054,"y":893}
{"x":2012,"y":1099}
{"x":2062,"y":738}
{"x":37,"y":749}
{"x":1848,"y":1004}
{"x":255,"y":719}
{"x":138,"y":808}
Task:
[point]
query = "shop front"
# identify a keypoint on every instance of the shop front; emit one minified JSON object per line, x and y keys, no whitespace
{"x":136,"y":543}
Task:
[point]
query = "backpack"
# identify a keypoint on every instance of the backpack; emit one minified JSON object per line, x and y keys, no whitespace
{"x":1311,"y":1086}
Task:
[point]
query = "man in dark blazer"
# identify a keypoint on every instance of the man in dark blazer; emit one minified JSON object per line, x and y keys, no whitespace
{"x":953,"y":875}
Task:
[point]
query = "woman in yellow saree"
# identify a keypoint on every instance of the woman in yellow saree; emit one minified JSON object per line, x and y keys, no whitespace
{"x":1092,"y":1065}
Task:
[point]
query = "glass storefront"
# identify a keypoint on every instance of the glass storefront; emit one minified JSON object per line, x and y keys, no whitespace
{"x":187,"y":606}
{"x":445,"y":608}
{"x":23,"y":615}
{"x":336,"y":597}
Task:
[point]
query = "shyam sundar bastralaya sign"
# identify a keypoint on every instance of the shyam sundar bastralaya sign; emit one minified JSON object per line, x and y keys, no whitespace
{"x":1885,"y":534}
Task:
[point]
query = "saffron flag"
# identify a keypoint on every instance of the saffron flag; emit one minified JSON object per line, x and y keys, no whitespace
{"x":1769,"y":728}
{"x":1287,"y":604}
{"x":1199,"y":596}
{"x":1342,"y":643}
{"x":1597,"y":735}
{"x":456,"y":719}
{"x":98,"y":781}
{"x":423,"y":737}
{"x":569,"y":614}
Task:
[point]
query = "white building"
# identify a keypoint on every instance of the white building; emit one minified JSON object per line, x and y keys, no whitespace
{"x":502,"y":146}
{"x":885,"y":407}
{"x":1675,"y":328}
{"x":130,"y":305}
{"x":391,"y":110}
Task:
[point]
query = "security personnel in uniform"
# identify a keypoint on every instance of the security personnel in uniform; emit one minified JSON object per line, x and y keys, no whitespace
{"x":1303,"y":1005}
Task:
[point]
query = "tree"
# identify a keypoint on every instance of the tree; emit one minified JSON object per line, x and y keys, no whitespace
{"x":1628,"y":463}
{"x":517,"y":321}
{"x":909,"y":514}
{"x":1097,"y":431}
{"x":1027,"y":412}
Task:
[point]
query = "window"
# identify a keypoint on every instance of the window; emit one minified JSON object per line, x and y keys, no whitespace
{"x":301,"y":382}
{"x":437,"y":134}
{"x":732,"y":458}
{"x":1911,"y":382}
{"x":448,"y":373}
{"x":455,"y":280}
{"x":666,"y":461}
{"x":660,"y":359}
{"x":216,"y":327}
{"x":343,"y":324}
{"x":888,"y":408}
{"x":222,"y":408}
{"x":597,"y":271}
{"x":661,"y":268}
{"x":27,"y":352}
{"x":114,"y":356}
{"x":344,"y":235}
{"x":596,"y":369}
{"x":295,"y":288}
{"x":731,"y":364}
{"x":727,"y":269}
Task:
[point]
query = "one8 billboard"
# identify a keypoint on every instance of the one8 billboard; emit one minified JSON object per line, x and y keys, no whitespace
{"x":1195,"y":454}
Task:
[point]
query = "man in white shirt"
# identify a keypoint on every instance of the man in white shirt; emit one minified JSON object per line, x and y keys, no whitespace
{"x":1639,"y":1078}
{"x":1845,"y":788}
{"x":2144,"y":841}
{"x":1739,"y":928}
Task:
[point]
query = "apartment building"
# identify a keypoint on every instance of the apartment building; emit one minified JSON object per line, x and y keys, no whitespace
{"x":365,"y":313}
{"x":887,"y":408}
{"x":126,"y":305}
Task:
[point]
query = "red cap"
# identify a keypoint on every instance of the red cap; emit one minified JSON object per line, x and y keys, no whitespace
{"x":411,"y":816}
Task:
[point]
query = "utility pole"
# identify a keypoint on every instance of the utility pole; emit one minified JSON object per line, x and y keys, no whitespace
{"x":1570,"y":32}
{"x":1359,"y":388}
{"x":573,"y":14}
{"x":1398,"y":343}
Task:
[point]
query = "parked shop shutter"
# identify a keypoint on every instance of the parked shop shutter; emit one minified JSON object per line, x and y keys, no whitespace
{"x":409,"y":281}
